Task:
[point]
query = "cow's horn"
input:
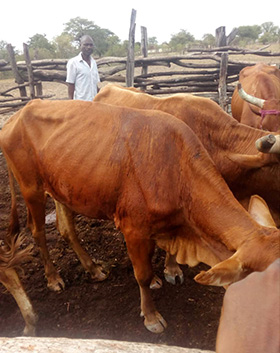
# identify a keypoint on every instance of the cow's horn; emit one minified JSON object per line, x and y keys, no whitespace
{"x":248,"y":98}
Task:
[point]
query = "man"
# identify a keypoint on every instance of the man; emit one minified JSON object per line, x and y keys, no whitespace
{"x":82,"y":73}
{"x":250,"y":321}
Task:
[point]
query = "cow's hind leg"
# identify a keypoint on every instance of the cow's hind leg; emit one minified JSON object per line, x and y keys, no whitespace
{"x":172,"y":270}
{"x":141,"y":252}
{"x":65,"y":225}
{"x":11,"y":281}
{"x":36,"y":218}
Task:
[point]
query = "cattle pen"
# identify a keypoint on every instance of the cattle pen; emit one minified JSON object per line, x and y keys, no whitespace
{"x":211,"y":73}
{"x":194,"y":314}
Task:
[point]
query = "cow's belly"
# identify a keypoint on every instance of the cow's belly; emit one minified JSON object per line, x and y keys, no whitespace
{"x":92,"y":194}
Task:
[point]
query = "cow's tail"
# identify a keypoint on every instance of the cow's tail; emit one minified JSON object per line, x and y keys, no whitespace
{"x":14,"y":226}
{"x":12,"y":254}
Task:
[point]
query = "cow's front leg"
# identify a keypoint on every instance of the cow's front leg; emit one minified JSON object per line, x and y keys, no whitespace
{"x":65,"y":225}
{"x":141,"y":252}
{"x":172,"y":270}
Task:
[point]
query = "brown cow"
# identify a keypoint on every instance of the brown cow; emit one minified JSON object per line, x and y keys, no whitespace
{"x":259,"y":104}
{"x":11,"y":257}
{"x":231,"y":145}
{"x":148,"y":172}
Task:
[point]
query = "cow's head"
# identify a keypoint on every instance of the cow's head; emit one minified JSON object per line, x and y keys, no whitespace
{"x":254,"y":255}
{"x":269,"y":108}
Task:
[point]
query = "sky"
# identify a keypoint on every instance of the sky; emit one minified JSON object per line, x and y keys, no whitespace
{"x":20,"y":20}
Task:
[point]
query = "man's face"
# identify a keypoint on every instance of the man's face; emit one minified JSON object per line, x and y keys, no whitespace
{"x":87,"y":46}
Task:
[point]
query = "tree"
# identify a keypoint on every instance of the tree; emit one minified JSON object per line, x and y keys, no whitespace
{"x":103,"y":38}
{"x":247,"y":34}
{"x":40,"y":41}
{"x":77,"y":27}
{"x":3,"y":51}
{"x":64,"y":48}
{"x":5,"y":57}
{"x":40,"y":47}
{"x":117,"y":49}
{"x":208,"y":40}
{"x":180,"y":40}
{"x":152,"y":43}
{"x":270,"y":33}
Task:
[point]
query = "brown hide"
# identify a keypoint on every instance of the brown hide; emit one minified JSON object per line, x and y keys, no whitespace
{"x":226,"y":141}
{"x":261,"y":81}
{"x":144,"y":169}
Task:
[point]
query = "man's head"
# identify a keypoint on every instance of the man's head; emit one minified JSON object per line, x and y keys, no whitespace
{"x":86,"y":45}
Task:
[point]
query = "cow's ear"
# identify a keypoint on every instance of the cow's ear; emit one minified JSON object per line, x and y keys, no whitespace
{"x":222,"y":274}
{"x":249,"y":161}
{"x":260,"y":212}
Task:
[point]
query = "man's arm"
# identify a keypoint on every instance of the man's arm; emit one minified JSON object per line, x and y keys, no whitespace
{"x":250,"y":320}
{"x":71,"y":89}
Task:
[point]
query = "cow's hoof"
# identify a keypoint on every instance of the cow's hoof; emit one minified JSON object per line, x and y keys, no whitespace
{"x":56,"y":284}
{"x":204,"y":277}
{"x":156,"y":283}
{"x":100,"y":273}
{"x":157,"y":325}
{"x":29,"y":331}
{"x":172,"y":277}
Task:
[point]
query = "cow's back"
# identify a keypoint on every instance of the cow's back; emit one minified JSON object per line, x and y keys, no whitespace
{"x":93,"y":156}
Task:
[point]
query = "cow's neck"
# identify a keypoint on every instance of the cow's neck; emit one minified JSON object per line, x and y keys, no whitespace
{"x":217,"y":130}
{"x":210,"y":206}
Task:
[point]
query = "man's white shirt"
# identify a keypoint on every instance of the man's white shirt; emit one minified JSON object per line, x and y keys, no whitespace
{"x":84,"y":78}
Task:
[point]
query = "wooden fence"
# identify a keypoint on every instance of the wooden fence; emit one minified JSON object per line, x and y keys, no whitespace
{"x":211,"y":73}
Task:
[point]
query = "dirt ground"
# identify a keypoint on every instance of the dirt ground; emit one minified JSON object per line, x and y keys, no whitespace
{"x":108,"y":310}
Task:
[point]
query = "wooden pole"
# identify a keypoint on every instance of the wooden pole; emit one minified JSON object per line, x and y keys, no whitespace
{"x":144,"y":48}
{"x":130,"y":53}
{"x":29,"y":71}
{"x":231,"y":36}
{"x":39,"y":88}
{"x":222,"y":88}
{"x":221,"y":39}
{"x":19,"y":80}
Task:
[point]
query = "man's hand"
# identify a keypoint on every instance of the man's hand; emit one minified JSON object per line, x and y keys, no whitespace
{"x":250,"y":320}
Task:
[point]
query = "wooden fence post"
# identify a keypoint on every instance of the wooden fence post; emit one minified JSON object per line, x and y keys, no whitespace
{"x":19,"y":80}
{"x":130,"y":53}
{"x":144,"y":48}
{"x":221,"y":39}
{"x":39,"y":88}
{"x":232,"y":35}
{"x":29,"y":71}
{"x":222,"y":88}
